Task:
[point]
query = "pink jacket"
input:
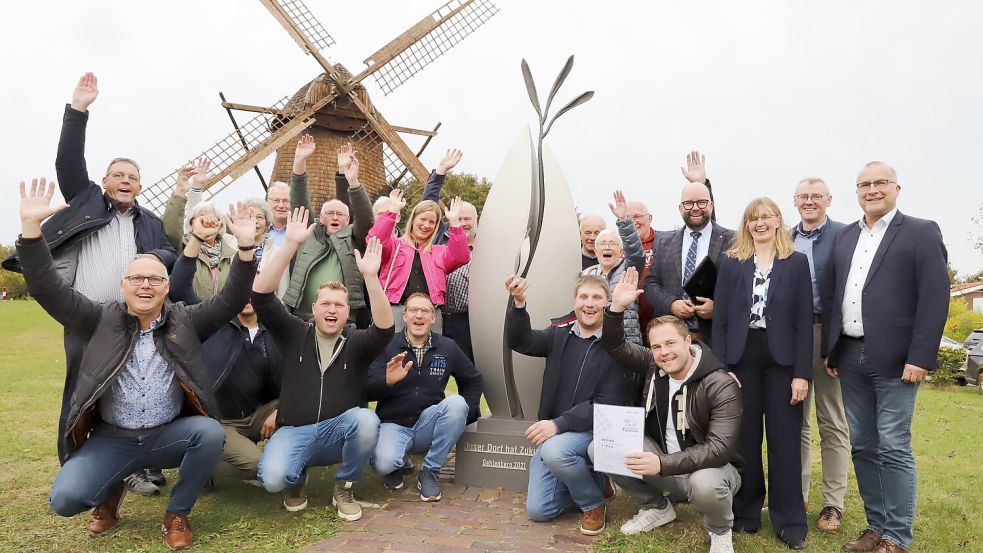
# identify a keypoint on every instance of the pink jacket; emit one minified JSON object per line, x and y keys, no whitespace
{"x":436,"y":264}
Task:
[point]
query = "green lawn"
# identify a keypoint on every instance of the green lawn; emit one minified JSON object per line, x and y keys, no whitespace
{"x":242,"y":518}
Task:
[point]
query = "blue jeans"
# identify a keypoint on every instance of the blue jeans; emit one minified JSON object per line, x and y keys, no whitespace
{"x":879,"y":412}
{"x":436,"y":431}
{"x":561,"y":479}
{"x":96,"y":470}
{"x":349,"y":438}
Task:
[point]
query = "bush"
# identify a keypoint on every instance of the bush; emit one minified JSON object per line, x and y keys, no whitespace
{"x":13,"y":282}
{"x":950,"y":369}
{"x":962,"y":320}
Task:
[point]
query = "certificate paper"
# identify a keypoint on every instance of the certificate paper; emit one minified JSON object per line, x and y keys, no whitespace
{"x":618,"y":430}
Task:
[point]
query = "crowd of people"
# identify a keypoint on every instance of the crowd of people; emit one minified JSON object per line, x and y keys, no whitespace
{"x":192,"y":338}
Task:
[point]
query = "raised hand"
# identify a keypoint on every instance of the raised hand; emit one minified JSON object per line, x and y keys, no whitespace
{"x":345,"y":153}
{"x":696,"y":167}
{"x":396,"y":200}
{"x":626,"y":291}
{"x":242,"y":224}
{"x":396,"y":370}
{"x":201,"y":175}
{"x":297,"y":228}
{"x":517,"y":287}
{"x":449,"y":161}
{"x":620,"y":206}
{"x":206,"y":226}
{"x":454,"y":212}
{"x":370,"y":262}
{"x":351,"y":171}
{"x":182,"y":185}
{"x":85,"y":92}
{"x":35,"y":206}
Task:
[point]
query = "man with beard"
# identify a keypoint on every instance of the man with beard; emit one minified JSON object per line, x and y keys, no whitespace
{"x":578,"y":374}
{"x":679,"y":253}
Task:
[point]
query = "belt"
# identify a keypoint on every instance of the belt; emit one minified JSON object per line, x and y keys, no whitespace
{"x":817,"y":318}
{"x":105,"y":427}
{"x":854,"y":338}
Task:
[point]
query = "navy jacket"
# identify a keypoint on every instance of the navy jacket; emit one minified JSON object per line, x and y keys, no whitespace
{"x":603,"y":380}
{"x":822,"y":246}
{"x":403,"y":402}
{"x":788,"y":312}
{"x":90,"y":208}
{"x":905,"y":297}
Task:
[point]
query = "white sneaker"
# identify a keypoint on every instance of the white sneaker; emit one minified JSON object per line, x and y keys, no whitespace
{"x":721,"y":543}
{"x":649,"y":519}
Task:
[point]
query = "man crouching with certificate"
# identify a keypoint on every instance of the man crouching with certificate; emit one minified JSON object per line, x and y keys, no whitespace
{"x":692,"y":423}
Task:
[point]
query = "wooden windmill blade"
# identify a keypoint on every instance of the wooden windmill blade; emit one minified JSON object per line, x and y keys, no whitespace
{"x":421,"y":44}
{"x":239,"y":151}
{"x":305,"y":32}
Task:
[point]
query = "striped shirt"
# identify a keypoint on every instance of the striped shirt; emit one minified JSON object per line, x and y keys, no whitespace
{"x":103,"y":258}
{"x":146,"y":392}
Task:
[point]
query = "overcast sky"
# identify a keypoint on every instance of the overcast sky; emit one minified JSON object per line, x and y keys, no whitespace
{"x":770,"y":91}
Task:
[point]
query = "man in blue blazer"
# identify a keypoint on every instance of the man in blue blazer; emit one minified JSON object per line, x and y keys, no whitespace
{"x":813,"y":236}
{"x":887,"y":300}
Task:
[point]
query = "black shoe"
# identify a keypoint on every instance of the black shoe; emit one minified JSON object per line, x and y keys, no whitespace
{"x":797,"y":544}
{"x":156,"y":476}
{"x":394,"y":480}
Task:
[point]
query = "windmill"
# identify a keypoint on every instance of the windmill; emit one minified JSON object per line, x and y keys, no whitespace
{"x":335,"y":107}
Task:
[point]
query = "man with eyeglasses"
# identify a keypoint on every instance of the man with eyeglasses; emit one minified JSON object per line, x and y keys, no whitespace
{"x":885,"y":298}
{"x":813,"y":236}
{"x":408,"y":381}
{"x":104,"y":228}
{"x":142,"y":396}
{"x":329,"y":253}
{"x":679,"y":253}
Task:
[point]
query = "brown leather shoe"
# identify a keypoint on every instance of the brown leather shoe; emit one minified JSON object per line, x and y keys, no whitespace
{"x":889,"y":547}
{"x":592,"y":521}
{"x":177,"y":531}
{"x":609,"y":490}
{"x":106,"y":514}
{"x":830,"y":519}
{"x":866,"y":541}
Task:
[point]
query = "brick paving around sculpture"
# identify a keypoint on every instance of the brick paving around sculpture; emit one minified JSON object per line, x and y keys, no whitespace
{"x":466,"y":519}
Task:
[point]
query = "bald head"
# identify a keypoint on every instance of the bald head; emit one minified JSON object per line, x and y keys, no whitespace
{"x":877,"y":190}
{"x":590,"y":227}
{"x":695,"y":205}
{"x":641,"y":216}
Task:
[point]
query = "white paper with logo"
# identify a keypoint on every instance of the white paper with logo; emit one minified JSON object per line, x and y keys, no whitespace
{"x":618,"y":431}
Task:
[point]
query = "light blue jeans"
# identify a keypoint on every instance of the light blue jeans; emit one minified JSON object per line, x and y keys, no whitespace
{"x":436,"y":431}
{"x":560,"y":477}
{"x":350,"y":438}
{"x":879,"y":412}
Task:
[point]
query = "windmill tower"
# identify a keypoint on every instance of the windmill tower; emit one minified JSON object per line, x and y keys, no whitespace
{"x":335,"y":108}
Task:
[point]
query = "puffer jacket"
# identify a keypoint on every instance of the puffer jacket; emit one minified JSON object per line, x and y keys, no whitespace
{"x":634,"y":256}
{"x":344,"y":242}
{"x":437,"y":263}
{"x":713,"y":404}
{"x":109,"y":334}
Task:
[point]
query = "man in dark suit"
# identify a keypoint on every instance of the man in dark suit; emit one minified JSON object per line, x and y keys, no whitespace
{"x":813,"y":236}
{"x":678,"y":253}
{"x":886,"y":298}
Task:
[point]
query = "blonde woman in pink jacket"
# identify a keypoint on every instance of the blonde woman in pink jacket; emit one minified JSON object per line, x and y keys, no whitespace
{"x":413,"y":263}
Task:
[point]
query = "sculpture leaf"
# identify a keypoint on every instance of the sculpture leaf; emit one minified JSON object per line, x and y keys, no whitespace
{"x":531,"y":89}
{"x":559,"y":81}
{"x":573,"y":103}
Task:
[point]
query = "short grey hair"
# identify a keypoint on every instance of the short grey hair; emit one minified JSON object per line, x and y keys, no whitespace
{"x":277,"y":185}
{"x":262,"y":205}
{"x":122,"y":160}
{"x":609,"y":234}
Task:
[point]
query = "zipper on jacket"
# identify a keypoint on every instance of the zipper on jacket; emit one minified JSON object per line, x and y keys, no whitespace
{"x":317,"y":350}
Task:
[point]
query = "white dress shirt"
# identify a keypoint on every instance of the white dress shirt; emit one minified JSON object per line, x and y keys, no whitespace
{"x":702,"y":249}
{"x":867,"y":244}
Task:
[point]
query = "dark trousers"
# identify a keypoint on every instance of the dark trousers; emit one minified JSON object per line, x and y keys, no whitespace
{"x":766,"y":390}
{"x":458,"y":327}
{"x":96,"y":470}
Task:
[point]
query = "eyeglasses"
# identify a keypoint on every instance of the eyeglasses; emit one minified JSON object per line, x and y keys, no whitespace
{"x":880,"y":184}
{"x":702,"y":204}
{"x":276,"y":201}
{"x":639,"y":216}
{"x":807,"y":197}
{"x":118,"y":175}
{"x":420,"y":310}
{"x":761,"y":218}
{"x":607,"y":244}
{"x":334,"y":213}
{"x":137,"y":280}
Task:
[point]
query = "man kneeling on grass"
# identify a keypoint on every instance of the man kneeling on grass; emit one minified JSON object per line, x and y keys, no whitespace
{"x":692,"y":423}
{"x":142,"y":397}
{"x":415,"y":415}
{"x":321,"y":420}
